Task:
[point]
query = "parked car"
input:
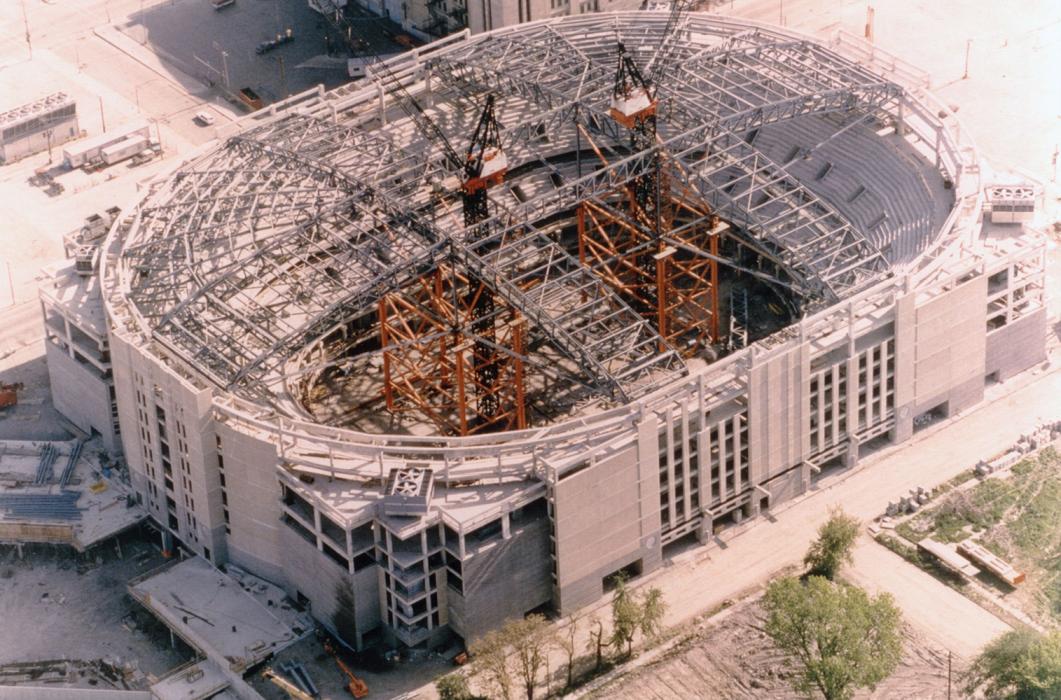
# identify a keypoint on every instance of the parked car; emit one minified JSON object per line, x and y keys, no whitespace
{"x":204,"y":118}
{"x":271,"y":44}
{"x":250,"y":98}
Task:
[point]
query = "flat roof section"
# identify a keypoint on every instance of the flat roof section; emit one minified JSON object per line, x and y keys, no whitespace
{"x":78,"y":296}
{"x":79,"y":507}
{"x":212,"y":613}
{"x":203,"y":679}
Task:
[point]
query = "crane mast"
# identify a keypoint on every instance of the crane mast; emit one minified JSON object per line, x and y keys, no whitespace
{"x":451,"y":349}
{"x":629,"y":241}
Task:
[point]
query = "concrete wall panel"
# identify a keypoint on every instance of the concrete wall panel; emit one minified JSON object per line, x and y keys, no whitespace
{"x":81,"y":396}
{"x":1017,"y":346}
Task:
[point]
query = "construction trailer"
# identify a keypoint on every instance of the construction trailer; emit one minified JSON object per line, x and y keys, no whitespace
{"x":126,"y":148}
{"x":91,"y":150}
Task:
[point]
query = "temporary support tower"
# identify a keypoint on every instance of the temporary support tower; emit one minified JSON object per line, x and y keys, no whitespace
{"x":451,"y":350}
{"x":628,"y":240}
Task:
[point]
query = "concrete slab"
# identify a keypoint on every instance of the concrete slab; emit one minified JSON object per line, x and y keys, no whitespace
{"x":78,"y":295}
{"x":272,"y":597}
{"x":213,"y":614}
{"x":203,"y":679}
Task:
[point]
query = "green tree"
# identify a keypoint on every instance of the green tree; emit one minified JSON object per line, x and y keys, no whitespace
{"x":832,"y":549}
{"x":626,"y":615}
{"x":653,"y":608}
{"x":633,"y":612}
{"x":530,"y":639}
{"x":842,"y":638}
{"x":453,"y":687}
{"x":490,"y":655}
{"x":565,"y":639}
{"x":1019,"y":665}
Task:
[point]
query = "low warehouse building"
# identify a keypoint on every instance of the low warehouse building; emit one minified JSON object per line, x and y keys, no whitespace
{"x":38,"y":126}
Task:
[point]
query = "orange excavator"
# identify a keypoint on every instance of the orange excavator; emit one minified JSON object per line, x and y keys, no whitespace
{"x":357,"y":687}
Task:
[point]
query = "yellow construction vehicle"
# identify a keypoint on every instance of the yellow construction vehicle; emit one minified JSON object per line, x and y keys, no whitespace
{"x":292,"y":690}
{"x":357,"y":687}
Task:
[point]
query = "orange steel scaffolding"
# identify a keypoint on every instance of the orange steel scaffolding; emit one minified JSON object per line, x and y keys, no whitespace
{"x":674,"y":288}
{"x":443,"y":360}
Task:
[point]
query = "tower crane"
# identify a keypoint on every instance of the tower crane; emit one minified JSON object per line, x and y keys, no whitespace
{"x":482,"y":167}
{"x":665,"y":280}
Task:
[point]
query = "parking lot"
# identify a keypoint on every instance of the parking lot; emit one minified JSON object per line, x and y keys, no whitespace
{"x":219,"y":46}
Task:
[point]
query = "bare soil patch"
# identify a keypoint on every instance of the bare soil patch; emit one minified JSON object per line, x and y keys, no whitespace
{"x":731,"y":656}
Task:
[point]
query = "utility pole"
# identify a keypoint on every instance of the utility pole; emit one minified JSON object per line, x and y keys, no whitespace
{"x":11,"y":283}
{"x":25,"y":22}
{"x":102,"y":120}
{"x":283,"y":76}
{"x":968,"y":45}
{"x":948,"y":675}
{"x":870,"y":12}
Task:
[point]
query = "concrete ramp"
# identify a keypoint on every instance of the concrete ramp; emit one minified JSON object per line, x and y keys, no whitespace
{"x":213,"y":614}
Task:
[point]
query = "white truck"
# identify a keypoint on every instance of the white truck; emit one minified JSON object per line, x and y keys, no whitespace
{"x":128,"y":148}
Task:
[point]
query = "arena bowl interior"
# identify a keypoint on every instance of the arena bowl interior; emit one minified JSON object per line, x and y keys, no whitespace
{"x":314,"y":262}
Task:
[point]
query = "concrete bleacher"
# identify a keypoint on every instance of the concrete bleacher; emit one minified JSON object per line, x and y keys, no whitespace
{"x":878,"y":182}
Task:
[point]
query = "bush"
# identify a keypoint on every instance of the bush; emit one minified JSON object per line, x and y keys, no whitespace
{"x":453,"y":687}
{"x":1022,"y":665}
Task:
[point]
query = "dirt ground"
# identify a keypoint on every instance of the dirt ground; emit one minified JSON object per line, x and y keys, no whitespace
{"x":56,"y":604}
{"x":730,"y":656}
{"x":383,"y":681}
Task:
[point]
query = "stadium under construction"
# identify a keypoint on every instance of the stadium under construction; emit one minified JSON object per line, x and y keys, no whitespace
{"x":520,"y":310}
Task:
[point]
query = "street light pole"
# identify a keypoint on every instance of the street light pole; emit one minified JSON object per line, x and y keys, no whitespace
{"x":224,"y":69}
{"x":968,"y":45}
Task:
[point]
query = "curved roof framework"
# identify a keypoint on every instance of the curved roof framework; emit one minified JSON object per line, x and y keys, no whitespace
{"x":250,"y":252}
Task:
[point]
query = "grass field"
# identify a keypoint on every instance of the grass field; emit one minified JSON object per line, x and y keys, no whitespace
{"x":1016,"y":515}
